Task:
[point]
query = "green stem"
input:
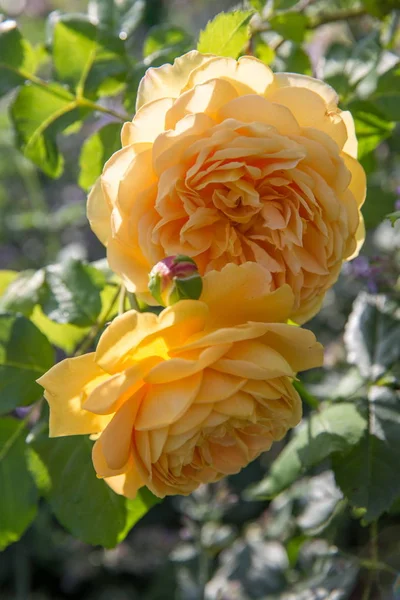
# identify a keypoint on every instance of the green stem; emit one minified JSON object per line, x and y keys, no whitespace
{"x":79,"y":100}
{"x":85,"y":103}
{"x":97,"y":327}
{"x":306,"y":396}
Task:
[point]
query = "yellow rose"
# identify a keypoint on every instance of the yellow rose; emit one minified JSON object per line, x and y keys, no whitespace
{"x":192,"y":395}
{"x":226,"y":161}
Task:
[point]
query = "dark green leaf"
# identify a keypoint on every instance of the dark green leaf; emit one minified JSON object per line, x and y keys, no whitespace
{"x":22,"y":293}
{"x":162,"y":37}
{"x":132,"y":18}
{"x":368,"y":475}
{"x":227,"y":34}
{"x":25,"y":354}
{"x":71,"y":293}
{"x":90,"y":60}
{"x":296,"y":59}
{"x":379,"y":200}
{"x":371,"y":126}
{"x":96,"y":150}
{"x":290,"y":25}
{"x":39,"y":114}
{"x":387,"y":94}
{"x":16,"y":57}
{"x":105,"y":13}
{"x":335,"y":429}
{"x":18,"y":497}
{"x":372,"y":335}
{"x":84,"y":504}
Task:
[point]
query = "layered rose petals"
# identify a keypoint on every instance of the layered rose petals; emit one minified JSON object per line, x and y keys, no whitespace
{"x":225,"y":162}
{"x":192,"y":395}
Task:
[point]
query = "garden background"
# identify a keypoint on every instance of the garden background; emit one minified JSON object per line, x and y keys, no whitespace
{"x":316,"y":518}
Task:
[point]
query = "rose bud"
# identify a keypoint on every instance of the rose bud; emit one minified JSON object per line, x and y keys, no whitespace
{"x":175,"y":278}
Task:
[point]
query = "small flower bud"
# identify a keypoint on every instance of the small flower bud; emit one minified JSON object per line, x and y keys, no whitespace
{"x":175,"y":278}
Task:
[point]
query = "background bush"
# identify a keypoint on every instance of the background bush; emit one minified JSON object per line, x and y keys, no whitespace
{"x":318,"y":516}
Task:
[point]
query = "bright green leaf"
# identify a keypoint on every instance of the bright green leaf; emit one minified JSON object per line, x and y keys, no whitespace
{"x":371,"y":126}
{"x":290,"y":25}
{"x":16,"y":57}
{"x":393,"y":217}
{"x":372,"y":335}
{"x":6,"y":277}
{"x":89,"y":59}
{"x":84,"y":504}
{"x":96,"y":150}
{"x":39,"y":114}
{"x":285,"y":4}
{"x":64,"y":336}
{"x":71,"y":293}
{"x":22,"y":293}
{"x":264,"y":52}
{"x":227,"y":34}
{"x":335,"y":429}
{"x":18,"y":497}
{"x":368,"y":475}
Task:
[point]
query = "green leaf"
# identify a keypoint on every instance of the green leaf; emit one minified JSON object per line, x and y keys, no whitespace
{"x":25,"y":354}
{"x":22,"y":293}
{"x":296,"y":59}
{"x":105,"y":13}
{"x":92,"y":61}
{"x":84,"y":504}
{"x":335,"y":429}
{"x":96,"y":150}
{"x":6,"y":277}
{"x":393,"y":217}
{"x":379,"y":200}
{"x":387,"y":94}
{"x":16,"y":57}
{"x":165,"y":36}
{"x":371,"y":126}
{"x":290,"y":25}
{"x":39,"y":114}
{"x":18,"y":497}
{"x":372,"y":335}
{"x":284,"y":4}
{"x":263,"y":51}
{"x":71,"y":293}
{"x":227,"y":34}
{"x":131,"y":19}
{"x":64,"y":336}
{"x":368,"y":476}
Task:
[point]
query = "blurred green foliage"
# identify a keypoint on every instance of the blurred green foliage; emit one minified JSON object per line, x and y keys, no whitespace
{"x":68,"y":79}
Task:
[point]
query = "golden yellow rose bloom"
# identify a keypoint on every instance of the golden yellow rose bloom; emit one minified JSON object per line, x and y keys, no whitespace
{"x":192,"y":395}
{"x":226,"y":161}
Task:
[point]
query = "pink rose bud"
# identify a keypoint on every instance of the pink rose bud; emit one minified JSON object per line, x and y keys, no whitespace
{"x":175,"y":278}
